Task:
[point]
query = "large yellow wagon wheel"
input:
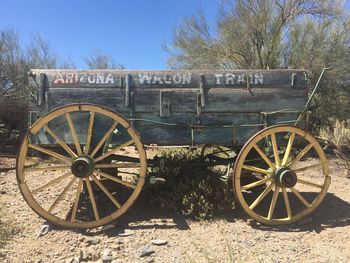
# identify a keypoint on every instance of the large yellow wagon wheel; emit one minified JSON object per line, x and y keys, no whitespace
{"x":288,"y":183}
{"x":75,"y":183}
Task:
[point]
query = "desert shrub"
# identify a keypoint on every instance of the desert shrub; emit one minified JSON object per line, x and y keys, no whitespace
{"x":338,"y":139}
{"x":191,"y":188}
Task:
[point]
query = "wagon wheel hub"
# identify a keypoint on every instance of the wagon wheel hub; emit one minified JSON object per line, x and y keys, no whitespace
{"x":83,"y":166}
{"x":285,"y":177}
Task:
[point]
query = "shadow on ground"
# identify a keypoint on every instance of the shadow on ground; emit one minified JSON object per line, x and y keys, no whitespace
{"x":333,"y":212}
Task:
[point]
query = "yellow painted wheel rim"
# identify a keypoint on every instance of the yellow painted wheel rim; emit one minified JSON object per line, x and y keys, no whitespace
{"x":272,"y":204}
{"x":54,"y":170}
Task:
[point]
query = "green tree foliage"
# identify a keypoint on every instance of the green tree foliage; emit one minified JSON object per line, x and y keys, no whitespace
{"x":101,"y":61}
{"x":268,"y":34}
{"x":15,"y":62}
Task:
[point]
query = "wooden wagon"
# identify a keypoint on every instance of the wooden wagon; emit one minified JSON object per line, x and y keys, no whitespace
{"x":83,"y":161}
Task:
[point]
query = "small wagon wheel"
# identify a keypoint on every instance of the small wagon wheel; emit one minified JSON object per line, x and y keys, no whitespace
{"x":72,"y":185}
{"x":298,"y":170}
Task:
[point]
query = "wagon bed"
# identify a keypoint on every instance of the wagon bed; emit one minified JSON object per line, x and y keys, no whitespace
{"x":180,"y":107}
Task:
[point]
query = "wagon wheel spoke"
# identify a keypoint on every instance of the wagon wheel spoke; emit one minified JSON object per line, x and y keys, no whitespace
{"x":300,"y":197}
{"x":309,"y":183}
{"x":50,"y":153}
{"x":309,"y":167}
{"x":103,"y":156}
{"x":286,"y":202}
{"x":115,"y":179}
{"x":92,"y":199}
{"x":273,"y":202}
{"x":255,"y":169}
{"x":73,"y":133}
{"x":261,"y":196}
{"x":89,"y":132}
{"x":59,"y":198}
{"x":49,"y":168}
{"x":57,"y":180}
{"x":275,"y":150}
{"x":104,"y":189}
{"x":104,"y":139}
{"x":263,"y":155}
{"x":257,"y":183}
{"x":60,"y":141}
{"x":301,"y":155}
{"x":76,"y":200}
{"x":288,"y":149}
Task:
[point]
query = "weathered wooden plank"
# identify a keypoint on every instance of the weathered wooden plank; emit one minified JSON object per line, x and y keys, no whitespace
{"x":254,"y":100}
{"x":155,"y":133}
{"x":111,"y":98}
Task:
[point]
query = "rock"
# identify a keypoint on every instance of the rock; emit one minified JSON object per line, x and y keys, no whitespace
{"x":117,"y":261}
{"x":146,"y":251}
{"x":2,"y":173}
{"x":2,"y":192}
{"x":107,"y":258}
{"x":109,"y":226}
{"x":82,"y":254}
{"x":85,"y":254}
{"x":39,"y":261}
{"x":72,"y":260}
{"x":43,"y":230}
{"x":159,"y":242}
{"x":79,"y":254}
{"x":93,"y":254}
{"x":106,"y":252}
{"x":92,"y":241}
{"x":127,"y":232}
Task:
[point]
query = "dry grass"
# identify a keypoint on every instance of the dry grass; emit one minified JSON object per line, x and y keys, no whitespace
{"x":339,"y":140}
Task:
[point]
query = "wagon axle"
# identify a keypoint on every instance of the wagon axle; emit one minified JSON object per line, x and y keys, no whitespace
{"x":83,"y":166}
{"x":285,"y":177}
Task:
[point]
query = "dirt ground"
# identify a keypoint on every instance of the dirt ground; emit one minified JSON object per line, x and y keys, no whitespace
{"x":148,"y":234}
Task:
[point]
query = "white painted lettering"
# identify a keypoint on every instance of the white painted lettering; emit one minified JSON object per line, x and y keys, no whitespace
{"x":59,"y":79}
{"x":251,"y":79}
{"x":157,"y":79}
{"x":143,"y":78}
{"x":69,"y":78}
{"x":186,"y":78}
{"x":218,"y":78}
{"x":92,"y":78}
{"x":82,"y":78}
{"x":167,"y":79}
{"x":230,"y":79}
{"x":240,"y":79}
{"x":259,"y":78}
{"x":177,"y":79}
{"x":100,"y":78}
{"x":109,"y":79}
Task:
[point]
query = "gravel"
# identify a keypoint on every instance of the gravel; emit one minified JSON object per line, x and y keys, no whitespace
{"x":147,"y":234}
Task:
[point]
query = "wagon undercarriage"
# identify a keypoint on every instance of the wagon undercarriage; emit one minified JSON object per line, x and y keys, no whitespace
{"x":83,"y":165}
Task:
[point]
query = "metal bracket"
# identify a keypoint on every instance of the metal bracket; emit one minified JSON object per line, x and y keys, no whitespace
{"x":294,"y":76}
{"x":41,"y":90}
{"x":127,"y":90}
{"x":165,"y":103}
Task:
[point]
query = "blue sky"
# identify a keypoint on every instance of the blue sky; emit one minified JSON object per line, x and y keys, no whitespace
{"x":132,"y":32}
